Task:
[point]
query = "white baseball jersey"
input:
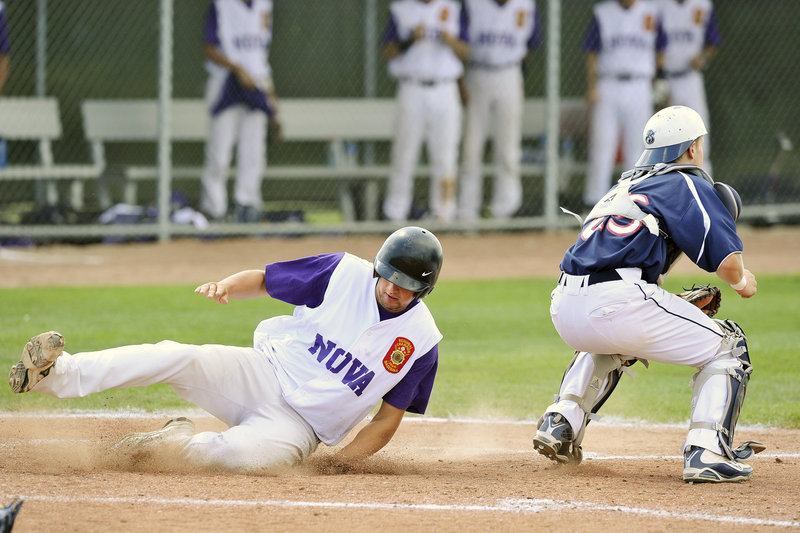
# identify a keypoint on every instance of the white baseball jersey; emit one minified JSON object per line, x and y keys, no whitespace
{"x":337,"y":360}
{"x":499,"y":33}
{"x":628,"y":38}
{"x":687,"y":27}
{"x":244,"y":33}
{"x":428,"y":58}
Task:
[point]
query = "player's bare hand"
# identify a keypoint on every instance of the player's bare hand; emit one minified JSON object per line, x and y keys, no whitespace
{"x":244,"y":78}
{"x":214,"y":291}
{"x":418,"y":33}
{"x":751,"y":287}
{"x":591,"y":96}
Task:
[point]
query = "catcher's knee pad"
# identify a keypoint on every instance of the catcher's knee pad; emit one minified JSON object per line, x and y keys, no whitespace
{"x":606,"y":370}
{"x":725,"y":397}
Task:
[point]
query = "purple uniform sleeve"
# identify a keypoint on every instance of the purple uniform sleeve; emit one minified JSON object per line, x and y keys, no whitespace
{"x":301,"y":281}
{"x":536,"y":35}
{"x":210,"y":35}
{"x":414,"y":390}
{"x":5,"y":43}
{"x":661,"y":37}
{"x":463,"y":31}
{"x":390,"y":34}
{"x":591,"y":40}
{"x":713,"y":36}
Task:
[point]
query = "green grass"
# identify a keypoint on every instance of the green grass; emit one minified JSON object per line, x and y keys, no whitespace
{"x":500,"y":358}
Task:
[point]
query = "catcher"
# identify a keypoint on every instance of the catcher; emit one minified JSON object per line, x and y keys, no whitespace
{"x":610,"y":308}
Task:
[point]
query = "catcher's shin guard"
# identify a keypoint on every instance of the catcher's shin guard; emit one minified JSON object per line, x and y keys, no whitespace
{"x":726,"y":397}
{"x":601,"y":373}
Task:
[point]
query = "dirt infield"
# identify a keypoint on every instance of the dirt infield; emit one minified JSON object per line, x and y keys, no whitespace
{"x":435,"y":475}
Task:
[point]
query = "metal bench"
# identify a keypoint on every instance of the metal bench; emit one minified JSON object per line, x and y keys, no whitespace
{"x":38,"y":119}
{"x":332,"y":120}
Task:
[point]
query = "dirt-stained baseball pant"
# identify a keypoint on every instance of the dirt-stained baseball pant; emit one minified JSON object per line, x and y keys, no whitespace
{"x":433,"y":114}
{"x":235,"y":384}
{"x":639,"y":319}
{"x":495,"y":106}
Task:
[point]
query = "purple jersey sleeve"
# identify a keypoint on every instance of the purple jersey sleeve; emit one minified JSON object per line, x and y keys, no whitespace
{"x":210,"y":35}
{"x":591,"y":39}
{"x":713,"y":35}
{"x":463,"y":30}
{"x":5,"y":42}
{"x":661,"y":37}
{"x":414,"y":390}
{"x":390,"y":34}
{"x":301,"y":281}
{"x":536,"y":35}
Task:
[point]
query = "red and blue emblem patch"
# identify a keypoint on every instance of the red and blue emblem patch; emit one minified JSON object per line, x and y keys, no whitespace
{"x":398,"y":355}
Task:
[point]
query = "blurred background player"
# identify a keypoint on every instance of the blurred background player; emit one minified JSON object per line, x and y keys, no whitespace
{"x":5,"y":48}
{"x":693,"y":37}
{"x":501,"y":33}
{"x":425,"y":42}
{"x":624,"y":46}
{"x":240,"y":95}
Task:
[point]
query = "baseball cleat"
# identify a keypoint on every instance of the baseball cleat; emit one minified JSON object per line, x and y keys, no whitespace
{"x":705,"y":466}
{"x":176,"y":432}
{"x":38,"y":357}
{"x":554,"y":440}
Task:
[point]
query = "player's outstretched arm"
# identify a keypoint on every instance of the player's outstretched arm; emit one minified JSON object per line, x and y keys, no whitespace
{"x":240,"y":286}
{"x":374,"y":435}
{"x":732,"y":272}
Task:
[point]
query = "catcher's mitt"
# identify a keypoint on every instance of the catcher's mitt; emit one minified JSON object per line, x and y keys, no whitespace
{"x":706,"y":297}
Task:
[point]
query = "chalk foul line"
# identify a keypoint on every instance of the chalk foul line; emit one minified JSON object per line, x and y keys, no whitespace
{"x":507,"y":505}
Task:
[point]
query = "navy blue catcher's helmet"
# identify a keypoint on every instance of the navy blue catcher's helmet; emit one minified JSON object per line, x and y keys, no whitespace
{"x":410,"y":258}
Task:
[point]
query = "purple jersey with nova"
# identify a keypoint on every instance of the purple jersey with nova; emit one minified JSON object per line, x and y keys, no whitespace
{"x":304,"y":282}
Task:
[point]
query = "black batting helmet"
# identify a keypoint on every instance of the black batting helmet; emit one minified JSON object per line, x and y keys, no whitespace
{"x":410,"y":258}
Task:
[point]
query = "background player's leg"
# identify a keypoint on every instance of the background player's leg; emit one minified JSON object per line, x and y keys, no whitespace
{"x":443,"y":135}
{"x":507,"y":197}
{"x":475,"y":134}
{"x":638,"y":95}
{"x":409,"y":123}
{"x":603,"y":139}
{"x":218,"y":150}
{"x":250,"y":164}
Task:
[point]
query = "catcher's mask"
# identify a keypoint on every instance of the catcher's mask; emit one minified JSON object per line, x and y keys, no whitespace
{"x":669,"y":133}
{"x":410,"y":258}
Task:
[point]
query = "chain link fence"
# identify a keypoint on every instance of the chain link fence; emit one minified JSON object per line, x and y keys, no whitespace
{"x":69,"y":52}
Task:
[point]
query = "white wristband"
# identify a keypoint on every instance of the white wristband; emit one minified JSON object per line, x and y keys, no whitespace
{"x":740,"y":285}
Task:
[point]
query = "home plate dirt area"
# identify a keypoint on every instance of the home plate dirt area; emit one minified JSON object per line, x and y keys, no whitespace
{"x":436,"y":475}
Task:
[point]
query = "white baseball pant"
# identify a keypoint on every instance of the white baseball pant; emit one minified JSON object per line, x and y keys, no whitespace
{"x":247,"y":129}
{"x":621,"y":111}
{"x":433,"y":114}
{"x":495,"y":106}
{"x":237,"y":385}
{"x":638,"y":319}
{"x":690,"y":90}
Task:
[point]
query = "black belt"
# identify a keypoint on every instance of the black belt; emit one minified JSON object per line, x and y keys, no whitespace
{"x":424,"y":83}
{"x":595,"y":277}
{"x":678,"y":73}
{"x":487,"y":66}
{"x":626,"y":77}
